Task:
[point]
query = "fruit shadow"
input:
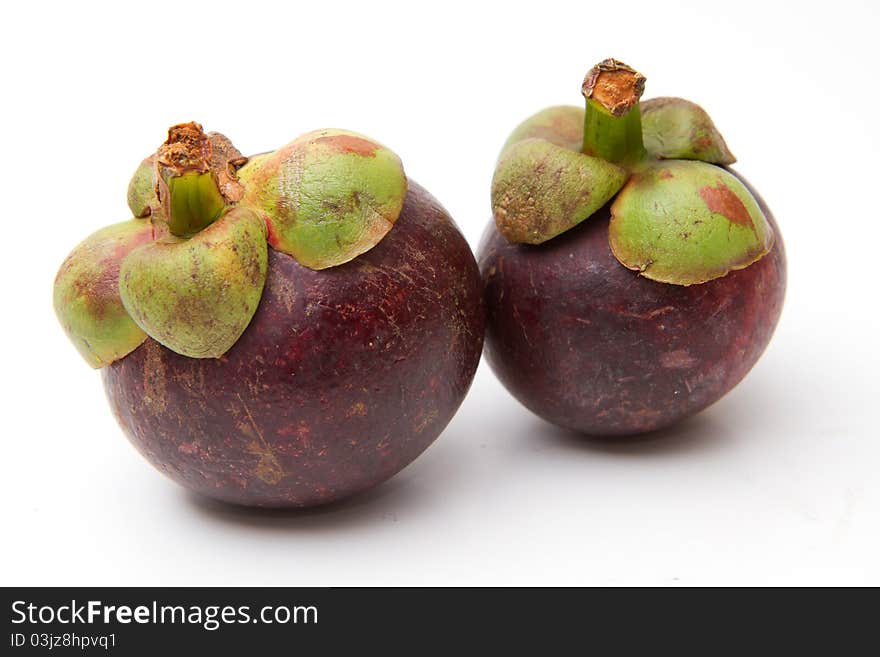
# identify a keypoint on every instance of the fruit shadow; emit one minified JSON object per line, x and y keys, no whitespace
{"x":698,"y":433}
{"x":520,"y":435}
{"x":742,"y":416}
{"x":381,"y":504}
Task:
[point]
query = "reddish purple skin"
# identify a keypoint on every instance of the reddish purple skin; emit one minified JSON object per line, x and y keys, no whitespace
{"x":343,"y":377}
{"x":592,"y":346}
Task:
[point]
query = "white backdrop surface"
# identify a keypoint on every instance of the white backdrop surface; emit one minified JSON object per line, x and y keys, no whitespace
{"x":775,"y":484}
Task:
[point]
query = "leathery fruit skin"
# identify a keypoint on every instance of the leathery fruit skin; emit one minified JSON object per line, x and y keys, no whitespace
{"x":342,"y":378}
{"x":590,"y":345}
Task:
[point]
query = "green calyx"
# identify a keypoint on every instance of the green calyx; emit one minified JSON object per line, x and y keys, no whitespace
{"x":328,"y":196}
{"x":189,"y":271}
{"x":676,"y":218}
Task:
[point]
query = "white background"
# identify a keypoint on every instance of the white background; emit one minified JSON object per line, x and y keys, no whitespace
{"x":776,"y":484}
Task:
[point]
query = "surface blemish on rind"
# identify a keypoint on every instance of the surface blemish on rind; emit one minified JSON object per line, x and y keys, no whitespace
{"x":722,"y":200}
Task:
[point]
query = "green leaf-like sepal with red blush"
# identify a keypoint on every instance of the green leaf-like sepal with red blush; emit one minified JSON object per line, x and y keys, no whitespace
{"x":328,"y":196}
{"x":86,"y":294}
{"x":686,"y":222}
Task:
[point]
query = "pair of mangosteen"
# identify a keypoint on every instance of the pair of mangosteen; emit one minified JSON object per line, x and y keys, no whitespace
{"x":295,"y":327}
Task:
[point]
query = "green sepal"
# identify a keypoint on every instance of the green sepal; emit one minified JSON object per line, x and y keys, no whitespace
{"x":687,"y":222}
{"x":196,"y":296}
{"x":142,"y":189}
{"x":86,"y":293}
{"x":674,"y":128}
{"x":328,"y":196}
{"x":540,"y":190}
{"x":562,"y":125}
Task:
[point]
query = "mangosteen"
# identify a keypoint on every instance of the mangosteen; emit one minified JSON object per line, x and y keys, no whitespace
{"x":283,"y":330}
{"x":631,"y":277}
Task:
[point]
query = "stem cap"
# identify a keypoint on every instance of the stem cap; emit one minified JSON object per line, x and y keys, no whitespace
{"x":614,"y":86}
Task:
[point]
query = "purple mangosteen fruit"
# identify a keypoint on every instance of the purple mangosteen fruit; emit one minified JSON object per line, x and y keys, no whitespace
{"x":283,"y":330}
{"x":631,"y":277}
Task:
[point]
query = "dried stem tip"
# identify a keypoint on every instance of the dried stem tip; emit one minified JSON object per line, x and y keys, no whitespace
{"x":614,"y":85}
{"x":187,"y":149}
